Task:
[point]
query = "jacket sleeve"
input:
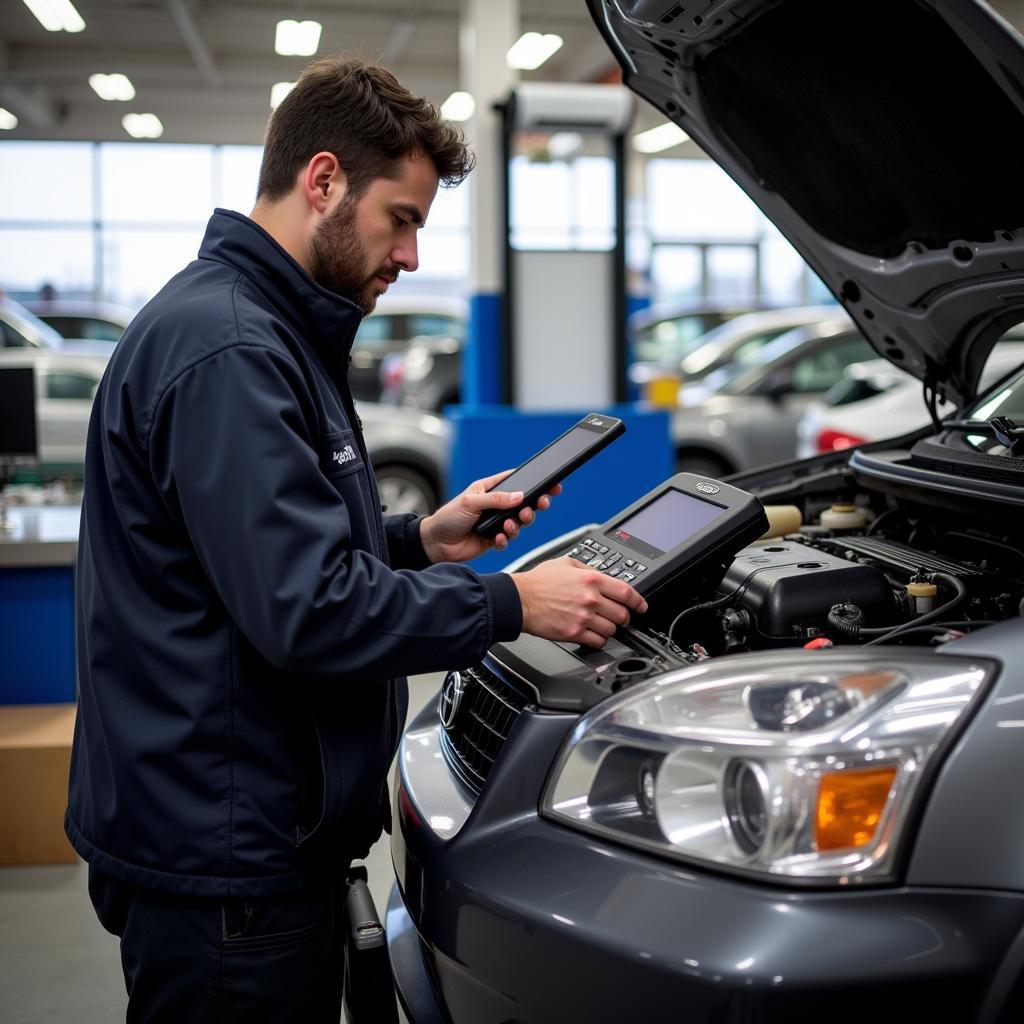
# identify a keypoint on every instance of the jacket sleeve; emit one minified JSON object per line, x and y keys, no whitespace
{"x":233,"y":449}
{"x":405,"y":548}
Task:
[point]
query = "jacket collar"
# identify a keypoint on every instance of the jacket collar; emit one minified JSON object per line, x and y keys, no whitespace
{"x":327,"y":320}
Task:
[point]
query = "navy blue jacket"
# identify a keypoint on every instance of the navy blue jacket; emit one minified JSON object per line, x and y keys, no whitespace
{"x":240,"y":628}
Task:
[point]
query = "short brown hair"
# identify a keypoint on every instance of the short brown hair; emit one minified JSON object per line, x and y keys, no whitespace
{"x":363,"y":115}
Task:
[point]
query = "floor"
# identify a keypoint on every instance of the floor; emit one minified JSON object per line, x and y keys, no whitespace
{"x":57,"y":963}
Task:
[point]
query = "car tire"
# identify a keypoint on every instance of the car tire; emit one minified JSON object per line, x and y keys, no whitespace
{"x":403,"y":489}
{"x":702,"y":464}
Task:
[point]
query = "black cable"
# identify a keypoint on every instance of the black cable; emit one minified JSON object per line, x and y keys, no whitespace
{"x":845,"y":619}
{"x":706,"y":606}
{"x":935,"y":627}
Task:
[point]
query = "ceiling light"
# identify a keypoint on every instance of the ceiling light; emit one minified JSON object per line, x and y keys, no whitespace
{"x":278,"y":91}
{"x":458,"y":107}
{"x":531,"y":50}
{"x":56,"y":15}
{"x":7,"y":120}
{"x":113,"y":87}
{"x":142,"y":126}
{"x":654,"y":140}
{"x":297,"y":38}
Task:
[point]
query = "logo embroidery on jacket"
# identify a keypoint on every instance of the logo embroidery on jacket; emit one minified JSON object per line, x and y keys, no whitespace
{"x":345,"y":455}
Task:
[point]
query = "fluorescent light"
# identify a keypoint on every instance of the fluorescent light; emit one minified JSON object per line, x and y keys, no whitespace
{"x":112,"y":87}
{"x":142,"y":126}
{"x":56,"y":15}
{"x":297,"y":38}
{"x":278,"y":91}
{"x":654,"y":140}
{"x":458,"y":107}
{"x":7,"y":120}
{"x":529,"y":51}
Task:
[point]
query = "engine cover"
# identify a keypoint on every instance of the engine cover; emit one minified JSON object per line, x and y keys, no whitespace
{"x":787,"y":585}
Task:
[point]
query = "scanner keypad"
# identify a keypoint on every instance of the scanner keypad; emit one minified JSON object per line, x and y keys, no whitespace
{"x":604,"y":559}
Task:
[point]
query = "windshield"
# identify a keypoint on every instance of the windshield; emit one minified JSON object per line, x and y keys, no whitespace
{"x":30,"y":326}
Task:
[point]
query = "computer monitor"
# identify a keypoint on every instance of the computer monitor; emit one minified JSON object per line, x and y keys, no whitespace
{"x":19,"y":443}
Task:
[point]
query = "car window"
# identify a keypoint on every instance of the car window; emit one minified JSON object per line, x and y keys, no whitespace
{"x":822,"y":369}
{"x":669,"y":340}
{"x":746,"y":354}
{"x":86,"y":327}
{"x":435,"y":325}
{"x":61,"y":384}
{"x":11,"y":337}
{"x":377,"y":329}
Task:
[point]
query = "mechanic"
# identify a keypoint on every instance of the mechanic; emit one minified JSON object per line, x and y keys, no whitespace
{"x":245,"y":611}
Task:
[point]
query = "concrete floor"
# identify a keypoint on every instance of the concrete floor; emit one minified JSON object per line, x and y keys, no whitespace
{"x":57,"y":963}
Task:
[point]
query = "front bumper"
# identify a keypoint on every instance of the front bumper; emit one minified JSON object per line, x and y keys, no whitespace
{"x":516,"y":918}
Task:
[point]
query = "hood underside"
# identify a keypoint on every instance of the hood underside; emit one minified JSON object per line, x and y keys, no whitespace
{"x":885,"y":139}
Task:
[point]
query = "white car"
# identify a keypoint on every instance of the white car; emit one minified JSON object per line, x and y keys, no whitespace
{"x":65,"y":385}
{"x":876,"y":400}
{"x":82,"y":319}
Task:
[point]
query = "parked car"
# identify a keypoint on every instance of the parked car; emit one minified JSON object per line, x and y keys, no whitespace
{"x":392,"y":326}
{"x":664,"y":334}
{"x":741,"y":340}
{"x":746,"y":415}
{"x":876,"y":400}
{"x":83,"y":320}
{"x":408,"y":450}
{"x":427,"y":375}
{"x":21,"y":329}
{"x":65,"y":385}
{"x":790,"y":790}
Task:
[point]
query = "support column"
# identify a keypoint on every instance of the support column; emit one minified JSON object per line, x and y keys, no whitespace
{"x":486,"y":31}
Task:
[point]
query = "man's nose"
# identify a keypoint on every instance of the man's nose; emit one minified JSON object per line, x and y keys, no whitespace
{"x":406,"y":255}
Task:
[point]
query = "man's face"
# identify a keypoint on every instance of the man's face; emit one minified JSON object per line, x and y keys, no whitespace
{"x":361,"y":248}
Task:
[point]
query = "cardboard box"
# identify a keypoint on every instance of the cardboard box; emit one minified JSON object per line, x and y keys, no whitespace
{"x":35,"y":756}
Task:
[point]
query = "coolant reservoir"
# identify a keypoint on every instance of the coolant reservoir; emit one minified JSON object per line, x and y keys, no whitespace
{"x":923,"y":595}
{"x":844,"y":517}
{"x":782,"y":520}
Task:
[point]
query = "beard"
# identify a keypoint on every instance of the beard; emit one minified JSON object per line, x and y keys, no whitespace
{"x":338,"y":260}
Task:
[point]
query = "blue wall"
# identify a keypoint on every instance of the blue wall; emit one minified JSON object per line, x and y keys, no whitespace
{"x":487,"y":439}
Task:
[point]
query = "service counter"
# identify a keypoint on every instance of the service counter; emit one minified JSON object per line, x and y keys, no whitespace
{"x":37,"y":618}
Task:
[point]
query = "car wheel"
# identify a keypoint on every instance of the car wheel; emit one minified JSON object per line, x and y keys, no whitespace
{"x":702,"y":464}
{"x":405,"y":490}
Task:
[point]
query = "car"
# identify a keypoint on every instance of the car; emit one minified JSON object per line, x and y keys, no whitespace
{"x":83,"y":320}
{"x":388,"y":331}
{"x":664,"y":334}
{"x":789,"y":790}
{"x":745,"y":415}
{"x":408,"y":450}
{"x":876,"y":400}
{"x":21,"y":329}
{"x":427,"y":375}
{"x":65,"y":386}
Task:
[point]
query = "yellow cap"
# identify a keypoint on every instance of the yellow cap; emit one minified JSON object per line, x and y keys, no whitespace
{"x":850,"y":806}
{"x":922,"y":589}
{"x":844,"y":508}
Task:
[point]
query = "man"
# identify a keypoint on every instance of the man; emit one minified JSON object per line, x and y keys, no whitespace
{"x":245,"y":612}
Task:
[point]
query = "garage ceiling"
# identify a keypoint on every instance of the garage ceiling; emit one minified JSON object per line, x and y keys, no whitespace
{"x":205,"y":67}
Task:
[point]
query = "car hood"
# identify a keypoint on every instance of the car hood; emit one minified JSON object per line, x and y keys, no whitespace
{"x":885,"y":139}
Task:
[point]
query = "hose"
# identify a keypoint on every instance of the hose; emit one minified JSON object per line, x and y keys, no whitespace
{"x":843,"y":618}
{"x":705,"y":607}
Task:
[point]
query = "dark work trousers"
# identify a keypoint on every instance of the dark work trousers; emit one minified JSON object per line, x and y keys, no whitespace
{"x":205,"y":960}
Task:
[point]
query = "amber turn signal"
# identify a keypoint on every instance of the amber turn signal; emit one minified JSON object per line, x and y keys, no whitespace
{"x":850,"y":806}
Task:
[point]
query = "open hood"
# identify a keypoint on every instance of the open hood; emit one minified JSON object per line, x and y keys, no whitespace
{"x":885,"y":139}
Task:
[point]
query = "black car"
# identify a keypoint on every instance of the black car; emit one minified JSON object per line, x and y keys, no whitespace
{"x":787,"y":793}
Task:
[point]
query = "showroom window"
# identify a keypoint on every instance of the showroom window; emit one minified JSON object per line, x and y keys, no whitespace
{"x":114,"y":221}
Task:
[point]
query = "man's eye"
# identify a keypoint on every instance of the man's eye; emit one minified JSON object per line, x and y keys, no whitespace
{"x":399,"y":222}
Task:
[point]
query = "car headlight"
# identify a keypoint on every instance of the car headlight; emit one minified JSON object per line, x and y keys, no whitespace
{"x":792,"y":766}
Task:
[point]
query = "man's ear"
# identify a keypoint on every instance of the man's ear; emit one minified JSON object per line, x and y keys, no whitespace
{"x":323,"y":182}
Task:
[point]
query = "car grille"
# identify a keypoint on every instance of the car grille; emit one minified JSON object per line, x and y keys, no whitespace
{"x":485,"y":716}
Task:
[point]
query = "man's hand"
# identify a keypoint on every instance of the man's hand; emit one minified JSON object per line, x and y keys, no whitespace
{"x":448,"y":536}
{"x":564,"y":600}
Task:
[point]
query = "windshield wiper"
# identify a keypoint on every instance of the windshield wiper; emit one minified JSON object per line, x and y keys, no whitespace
{"x":1005,"y":431}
